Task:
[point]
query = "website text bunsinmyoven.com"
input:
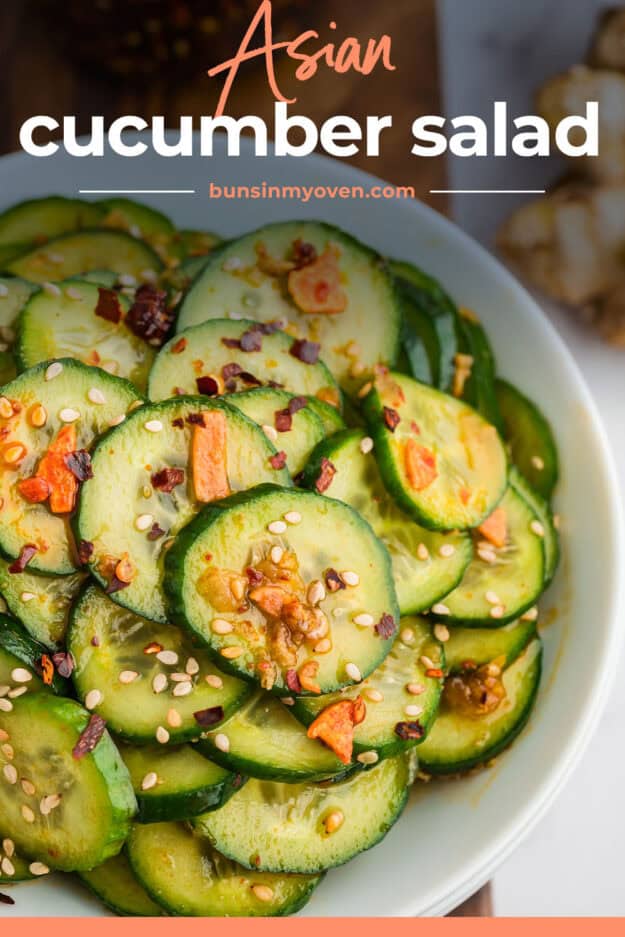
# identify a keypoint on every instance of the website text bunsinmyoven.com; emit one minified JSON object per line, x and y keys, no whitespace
{"x":308,"y":193}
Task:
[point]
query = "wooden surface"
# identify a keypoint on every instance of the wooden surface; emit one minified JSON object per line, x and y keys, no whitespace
{"x":37,"y":77}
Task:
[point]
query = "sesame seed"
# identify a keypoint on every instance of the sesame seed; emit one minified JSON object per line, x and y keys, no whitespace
{"x":18,"y":691}
{"x":323,"y":646}
{"x":427,"y":662}
{"x":440,"y":609}
{"x":222,"y":742}
{"x":192,"y":667}
{"x":557,"y":520}
{"x":364,"y":620}
{"x":232,"y":652}
{"x":7,"y":867}
{"x":263,"y":892}
{"x":270,"y":432}
{"x":3,"y":692}
{"x":93,"y":699}
{"x":4,"y":290}
{"x":69,"y":415}
{"x":441,"y":633}
{"x":49,"y":803}
{"x":492,"y":598}
{"x":15,"y":453}
{"x":183,"y":689}
{"x":237,"y":588}
{"x":72,"y":293}
{"x":6,"y":408}
{"x":415,"y":689}
{"x":497,"y":611}
{"x":27,"y":596}
{"x":287,"y":701}
{"x":334,"y":821}
{"x":368,"y":758}
{"x":143,"y":521}
{"x":20,"y":675}
{"x":214,"y":681}
{"x":232,"y":263}
{"x":149,"y":781}
{"x":28,"y":787}
{"x":373,"y":695}
{"x":530,"y":615}
{"x":53,"y":370}
{"x":276,"y":527}
{"x":221,"y":626}
{"x":38,"y":868}
{"x":364,"y":390}
{"x":353,"y":672}
{"x":169,"y":658}
{"x":126,"y":279}
{"x":537,"y":528}
{"x":8,"y":847}
{"x":162,"y":735}
{"x":316,"y":592}
{"x":117,"y":420}
{"x":412,"y":710}
{"x":5,"y":705}
{"x":55,"y":258}
{"x":487,"y":555}
{"x":4,"y":736}
{"x":128,"y":676}
{"x":174,"y":719}
{"x":7,"y":751}
{"x":447,"y":549}
{"x":276,"y":554}
{"x":51,"y":289}
{"x":293,"y":517}
{"x":366,"y":445}
{"x":10,"y":773}
{"x":538,"y":463}
{"x":95,"y":395}
{"x":350,"y":578}
{"x":159,"y":683}
{"x":407,"y":635}
{"x":422,"y":552}
{"x":153,"y":426}
{"x":28,"y":814}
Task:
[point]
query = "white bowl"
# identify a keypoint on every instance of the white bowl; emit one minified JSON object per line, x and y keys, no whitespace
{"x":452,"y":835}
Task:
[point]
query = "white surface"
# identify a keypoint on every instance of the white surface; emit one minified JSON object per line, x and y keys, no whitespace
{"x":572,"y":862}
{"x":451,"y":836}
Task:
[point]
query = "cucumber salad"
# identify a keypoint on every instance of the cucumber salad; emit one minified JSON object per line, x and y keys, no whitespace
{"x":273,"y":534}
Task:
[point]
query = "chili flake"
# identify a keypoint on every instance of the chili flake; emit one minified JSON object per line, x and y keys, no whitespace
{"x":108,"y":306}
{"x":90,"y":737}
{"x":47,"y":669}
{"x":179,"y":346}
{"x":79,"y":464}
{"x":149,"y":317}
{"x":391,"y":418}
{"x":85,"y":551}
{"x":166,"y":479}
{"x":26,"y":554}
{"x":333,"y":580}
{"x":305,"y":351}
{"x":283,"y":421}
{"x":386,"y":626}
{"x":209,"y":717}
{"x":326,"y":474}
{"x":409,"y":730}
{"x":64,"y":663}
{"x":207,"y":385}
{"x":278,"y":461}
{"x":293,"y":681}
{"x":155,"y":532}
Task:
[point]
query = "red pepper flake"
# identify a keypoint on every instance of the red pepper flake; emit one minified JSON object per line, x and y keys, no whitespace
{"x":275,"y":384}
{"x":155,"y":532}
{"x":409,"y":730}
{"x":231,"y":342}
{"x":255,"y":577}
{"x":305,"y":351}
{"x":26,"y":554}
{"x":304,"y":253}
{"x":90,"y":737}
{"x":278,"y":461}
{"x":232,"y":369}
{"x":251,"y":340}
{"x":34,"y":490}
{"x":296,"y":404}
{"x":435,"y":672}
{"x":79,"y":464}
{"x":64,"y":663}
{"x":207,"y":385}
{"x":333,"y":580}
{"x":237,"y":781}
{"x":149,"y":317}
{"x":47,"y":669}
{"x":326,"y":474}
{"x":85,"y":551}
{"x":195,"y":419}
{"x":116,"y":585}
{"x":178,"y":347}
{"x":178,"y":392}
{"x":465,"y":495}
{"x":248,"y":378}
{"x":95,"y":641}
{"x":209,"y":717}
{"x":293,"y":681}
{"x":283,"y":421}
{"x":415,"y":428}
{"x":6,"y":899}
{"x":385,"y":628}
{"x":166,"y":479}
{"x":391,"y":418}
{"x":178,"y":422}
{"x":153,"y":648}
{"x":108,"y":306}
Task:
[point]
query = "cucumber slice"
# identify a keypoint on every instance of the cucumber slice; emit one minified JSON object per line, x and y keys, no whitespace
{"x":92,"y":817}
{"x":515,"y":577}
{"x":19,"y":651}
{"x":91,"y":249}
{"x":421,"y":573}
{"x":188,"y":877}
{"x":330,"y":417}
{"x":479,"y":389}
{"x":233,"y":282}
{"x":551,"y":539}
{"x":186,"y":785}
{"x":115,"y":884}
{"x":135,"y":710}
{"x":266,"y":407}
{"x":14,"y":869}
{"x":154,"y":437}
{"x":200,"y":352}
{"x":68,"y":326}
{"x":469,"y":472}
{"x":14,"y":294}
{"x":40,"y":219}
{"x":459,"y":742}
{"x":532,"y":445}
{"x":425,"y":297}
{"x":139,"y":220}
{"x":60,"y":394}
{"x":41,"y":603}
{"x":266,"y":741}
{"x":284,"y":827}
{"x":379,"y":733}
{"x":317,"y":539}
{"x":420,"y":344}
{"x":480,"y":645}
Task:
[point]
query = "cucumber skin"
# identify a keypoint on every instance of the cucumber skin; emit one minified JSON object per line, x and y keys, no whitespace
{"x":486,"y":755}
{"x":16,"y":641}
{"x":551,"y":541}
{"x":527,"y":636}
{"x":479,"y":389}
{"x":190,"y":803}
{"x":109,"y":903}
{"x":255,"y":769}
{"x":542,"y":482}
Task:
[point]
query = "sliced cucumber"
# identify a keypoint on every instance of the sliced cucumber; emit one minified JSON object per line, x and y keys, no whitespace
{"x":186,"y":784}
{"x":92,"y":249}
{"x":266,"y":741}
{"x":480,"y":645}
{"x":479,"y":389}
{"x":293,"y":827}
{"x":20,"y":655}
{"x":183,"y":872}
{"x":92,"y":795}
{"x":62,"y":388}
{"x":139,"y":220}
{"x":69,"y":326}
{"x":459,"y":742}
{"x":420,"y":344}
{"x":232,"y":281}
{"x":500,"y":588}
{"x":551,"y":540}
{"x":330,"y":417}
{"x":527,"y":432}
{"x":13,"y":868}
{"x":441,"y":461}
{"x":116,"y":886}
{"x":109,"y":645}
{"x":421,"y":573}
{"x":317,"y":540}
{"x":121,"y":491}
{"x":425,"y":299}
{"x":201,"y":352}
{"x":296,"y":434}
{"x":41,"y":603}
{"x":40,"y":219}
{"x":397,"y":717}
{"x":14,"y":294}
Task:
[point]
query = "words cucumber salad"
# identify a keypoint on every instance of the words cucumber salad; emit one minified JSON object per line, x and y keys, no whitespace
{"x":273,"y":537}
